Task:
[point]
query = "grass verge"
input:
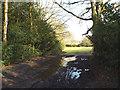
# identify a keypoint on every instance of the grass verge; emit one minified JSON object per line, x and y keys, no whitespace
{"x":78,"y":50}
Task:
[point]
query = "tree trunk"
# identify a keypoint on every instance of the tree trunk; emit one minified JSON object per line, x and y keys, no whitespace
{"x":18,"y":18}
{"x":93,"y":10}
{"x":5,"y":22}
{"x":99,"y":11}
{"x":30,"y":16}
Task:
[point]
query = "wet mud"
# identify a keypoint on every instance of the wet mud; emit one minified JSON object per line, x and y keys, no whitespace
{"x":76,"y":73}
{"x":65,"y":71}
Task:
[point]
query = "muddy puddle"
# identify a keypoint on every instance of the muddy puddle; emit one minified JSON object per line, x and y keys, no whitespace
{"x":71,"y":73}
{"x":74,"y":73}
{"x":53,"y":66}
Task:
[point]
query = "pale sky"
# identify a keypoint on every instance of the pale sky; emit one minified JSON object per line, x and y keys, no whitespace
{"x":78,"y":29}
{"x":74,"y":26}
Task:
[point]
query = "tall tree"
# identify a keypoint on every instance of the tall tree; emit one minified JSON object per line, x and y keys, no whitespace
{"x":5,"y":21}
{"x":30,"y":13}
{"x":105,"y":30}
{"x":97,"y":7}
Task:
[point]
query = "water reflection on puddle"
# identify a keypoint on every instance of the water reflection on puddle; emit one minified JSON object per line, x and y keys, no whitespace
{"x":86,"y":70}
{"x":55,"y":64}
{"x":65,"y":60}
{"x":74,"y":73}
{"x":83,"y":59}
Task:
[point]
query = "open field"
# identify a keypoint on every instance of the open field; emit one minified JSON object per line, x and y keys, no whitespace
{"x":78,"y":50}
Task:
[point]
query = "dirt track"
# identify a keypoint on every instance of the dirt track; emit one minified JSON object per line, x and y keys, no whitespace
{"x":22,"y":75}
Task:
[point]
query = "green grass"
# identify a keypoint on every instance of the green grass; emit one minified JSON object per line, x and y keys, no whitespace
{"x":77,"y":50}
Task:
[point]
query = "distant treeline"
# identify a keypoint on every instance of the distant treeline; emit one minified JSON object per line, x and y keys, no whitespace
{"x":78,"y":45}
{"x":84,"y":43}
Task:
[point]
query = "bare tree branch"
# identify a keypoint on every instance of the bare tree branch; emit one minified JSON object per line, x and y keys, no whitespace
{"x":66,"y":21}
{"x":62,"y":33}
{"x":49,"y":17}
{"x":105,"y":4}
{"x":116,"y":7}
{"x":72,"y":13}
{"x":112,"y":8}
{"x":73,"y":2}
{"x":47,"y":8}
{"x":85,"y":12}
{"x":88,"y":31}
{"x":61,"y":24}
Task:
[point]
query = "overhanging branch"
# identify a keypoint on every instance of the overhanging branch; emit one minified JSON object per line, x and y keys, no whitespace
{"x":112,"y":8}
{"x":116,"y":7}
{"x":88,"y":31}
{"x":72,"y":13}
{"x":105,"y":4}
{"x":73,"y":2}
{"x":85,"y":12}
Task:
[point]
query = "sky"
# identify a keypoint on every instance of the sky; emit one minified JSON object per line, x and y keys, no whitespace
{"x":74,"y":25}
{"x":76,"y":28}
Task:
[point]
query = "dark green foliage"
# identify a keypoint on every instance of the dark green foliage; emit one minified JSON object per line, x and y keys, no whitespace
{"x":7,"y":54}
{"x":22,"y":42}
{"x":105,"y":38}
{"x":17,"y":53}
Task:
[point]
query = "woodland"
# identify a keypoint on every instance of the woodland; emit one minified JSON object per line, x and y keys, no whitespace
{"x":30,"y":29}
